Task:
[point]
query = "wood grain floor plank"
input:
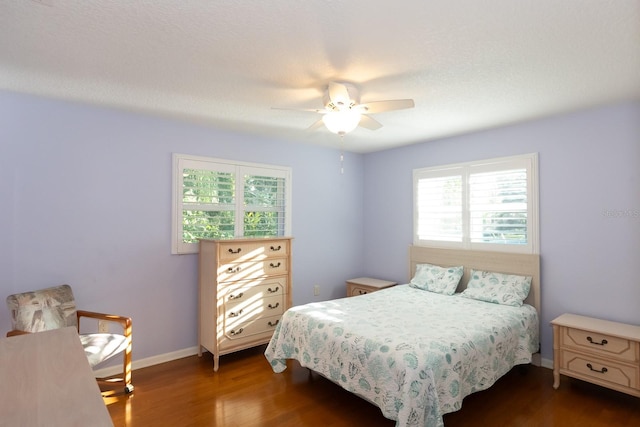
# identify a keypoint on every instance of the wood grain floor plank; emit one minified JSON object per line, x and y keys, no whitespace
{"x":246,"y":393}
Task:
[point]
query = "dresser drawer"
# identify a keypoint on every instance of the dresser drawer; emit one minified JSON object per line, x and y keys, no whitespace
{"x":236,"y":251}
{"x":245,"y":309}
{"x":252,"y":290}
{"x":252,"y":269}
{"x":600,"y":344}
{"x":600,"y":370}
{"x":251,"y":330}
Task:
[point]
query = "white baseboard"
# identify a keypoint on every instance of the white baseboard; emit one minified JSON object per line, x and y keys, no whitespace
{"x":149,"y":361}
{"x":547,"y":363}
{"x":538,"y":360}
{"x":186,"y":352}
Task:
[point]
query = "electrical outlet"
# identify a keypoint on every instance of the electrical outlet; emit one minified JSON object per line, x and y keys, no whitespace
{"x":103,"y":326}
{"x":316,"y":290}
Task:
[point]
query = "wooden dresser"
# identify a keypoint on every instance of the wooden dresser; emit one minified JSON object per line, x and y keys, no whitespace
{"x":244,"y":288}
{"x":598,"y":351}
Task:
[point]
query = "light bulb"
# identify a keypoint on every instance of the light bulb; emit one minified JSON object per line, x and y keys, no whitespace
{"x":341,"y":122}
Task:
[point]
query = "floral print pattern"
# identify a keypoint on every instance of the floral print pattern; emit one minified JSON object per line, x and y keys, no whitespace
{"x":43,"y":310}
{"x":414,"y":354}
{"x":438,"y":279}
{"x":54,"y":308}
{"x":498,"y":288}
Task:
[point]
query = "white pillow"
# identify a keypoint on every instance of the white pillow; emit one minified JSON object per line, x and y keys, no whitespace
{"x":498,"y":288}
{"x":433,"y":278}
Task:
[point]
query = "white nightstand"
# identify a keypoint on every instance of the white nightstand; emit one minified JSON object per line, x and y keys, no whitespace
{"x":365,"y":285}
{"x":598,"y":351}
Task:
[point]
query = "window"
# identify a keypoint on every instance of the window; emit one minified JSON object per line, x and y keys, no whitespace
{"x":219,"y":199}
{"x":491,"y":205}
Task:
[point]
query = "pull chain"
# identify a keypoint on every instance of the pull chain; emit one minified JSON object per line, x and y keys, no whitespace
{"x":341,"y":154}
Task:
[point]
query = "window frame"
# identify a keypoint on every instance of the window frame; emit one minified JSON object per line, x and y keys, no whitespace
{"x":182,"y":161}
{"x":529,"y":162}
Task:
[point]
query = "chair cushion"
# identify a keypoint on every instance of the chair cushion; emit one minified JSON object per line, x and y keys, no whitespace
{"x":43,"y":310}
{"x":100,"y":347}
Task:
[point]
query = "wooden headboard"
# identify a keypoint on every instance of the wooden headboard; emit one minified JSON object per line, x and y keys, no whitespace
{"x":500,"y":262}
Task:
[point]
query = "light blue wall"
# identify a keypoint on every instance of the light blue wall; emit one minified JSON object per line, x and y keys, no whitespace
{"x":85,"y":197}
{"x":86,"y":200}
{"x":589,"y":207}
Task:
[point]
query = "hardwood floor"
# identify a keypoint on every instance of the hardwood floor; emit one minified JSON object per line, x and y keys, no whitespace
{"x":246,"y":393}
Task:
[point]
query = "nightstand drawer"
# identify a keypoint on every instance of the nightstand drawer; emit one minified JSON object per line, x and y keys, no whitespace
{"x":600,"y":344}
{"x":600,"y":370}
{"x":357,"y":290}
{"x":366,"y":285}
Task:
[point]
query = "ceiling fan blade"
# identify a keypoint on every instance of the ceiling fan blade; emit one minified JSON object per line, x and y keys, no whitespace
{"x":339,"y":95}
{"x":310,"y":110}
{"x":369,"y":123}
{"x":388,"y":105}
{"x":316,"y":125}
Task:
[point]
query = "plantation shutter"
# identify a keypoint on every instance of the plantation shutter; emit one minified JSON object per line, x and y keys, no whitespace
{"x":440,"y":208}
{"x":208,"y":202}
{"x":488,"y":205}
{"x":498,"y":207}
{"x":264,"y":203}
{"x":215,"y":199}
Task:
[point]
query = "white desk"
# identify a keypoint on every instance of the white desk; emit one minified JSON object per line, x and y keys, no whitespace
{"x":45,"y":380}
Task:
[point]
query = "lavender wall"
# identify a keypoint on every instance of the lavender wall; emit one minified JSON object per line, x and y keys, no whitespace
{"x":589,"y":207}
{"x":86,"y":200}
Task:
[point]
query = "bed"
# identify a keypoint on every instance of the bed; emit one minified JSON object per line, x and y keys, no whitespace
{"x":415,"y":351}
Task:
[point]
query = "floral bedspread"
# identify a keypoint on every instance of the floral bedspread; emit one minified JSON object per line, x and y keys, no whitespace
{"x":413,"y":353}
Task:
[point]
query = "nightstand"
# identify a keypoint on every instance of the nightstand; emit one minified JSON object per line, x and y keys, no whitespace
{"x":598,"y":351}
{"x":365,"y":285}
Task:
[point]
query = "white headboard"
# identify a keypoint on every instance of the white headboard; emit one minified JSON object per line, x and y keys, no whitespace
{"x":500,"y":262}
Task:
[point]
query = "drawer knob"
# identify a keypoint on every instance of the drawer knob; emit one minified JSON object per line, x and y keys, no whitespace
{"x":236,"y":296}
{"x":271,"y":291}
{"x":274,"y":306}
{"x":238,"y":332}
{"x":235,"y":313}
{"x":233,"y":269}
{"x":276,"y":248}
{"x":231,"y":251}
{"x":601,"y":371}
{"x":272,"y":265}
{"x":273,"y":324}
{"x":603,"y":342}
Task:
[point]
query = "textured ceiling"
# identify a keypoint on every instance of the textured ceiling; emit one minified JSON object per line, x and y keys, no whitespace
{"x":468,"y":64}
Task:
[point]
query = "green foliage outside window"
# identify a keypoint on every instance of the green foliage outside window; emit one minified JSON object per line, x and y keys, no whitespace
{"x":263,"y":198}
{"x":207,"y":225}
{"x":209,"y":202}
{"x":208,"y":199}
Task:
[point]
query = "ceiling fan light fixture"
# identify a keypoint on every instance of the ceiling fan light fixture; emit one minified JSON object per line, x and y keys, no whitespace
{"x":341,"y":122}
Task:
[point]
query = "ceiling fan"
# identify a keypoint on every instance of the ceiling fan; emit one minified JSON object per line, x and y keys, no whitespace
{"x":343,"y":111}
